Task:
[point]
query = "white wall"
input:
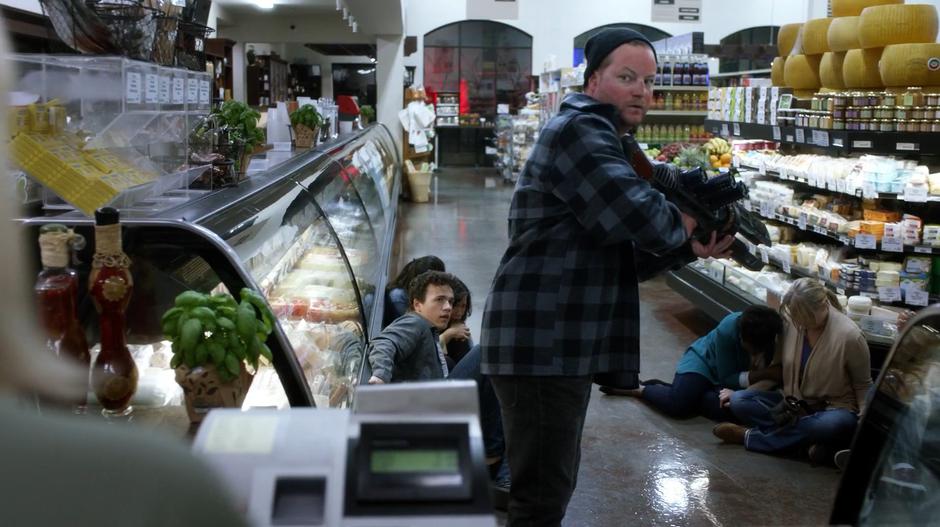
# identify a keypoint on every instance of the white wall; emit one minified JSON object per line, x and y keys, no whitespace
{"x":26,"y":5}
{"x":389,"y":78}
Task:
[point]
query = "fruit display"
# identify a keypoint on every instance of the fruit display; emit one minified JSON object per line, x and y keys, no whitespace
{"x":719,"y":153}
{"x":692,"y":157}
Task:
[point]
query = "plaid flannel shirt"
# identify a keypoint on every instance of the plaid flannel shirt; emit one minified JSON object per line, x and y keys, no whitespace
{"x":565,"y":298}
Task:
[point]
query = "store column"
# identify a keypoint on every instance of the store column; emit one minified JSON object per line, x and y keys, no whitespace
{"x":389,"y":80}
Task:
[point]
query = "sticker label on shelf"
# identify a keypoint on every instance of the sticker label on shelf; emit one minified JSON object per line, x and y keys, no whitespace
{"x":865,"y":241}
{"x":837,"y":142}
{"x":762,"y":168}
{"x":820,"y":138}
{"x":800,"y":135}
{"x":152,"y":88}
{"x":861,"y":144}
{"x":889,"y":294}
{"x":801,"y":222}
{"x":907,"y":147}
{"x":923,"y":249}
{"x":179,"y":90}
{"x":133,"y":88}
{"x":644,"y":146}
{"x":785,"y":266}
{"x":724,"y":130}
{"x":192,"y":91}
{"x":776,"y":133}
{"x":165,"y":89}
{"x":845,"y":239}
{"x":789,"y":138}
{"x":916,"y":194}
{"x":737,"y":129}
{"x":204,"y":92}
{"x":820,"y":230}
{"x":916,"y":297}
{"x":893,"y":245}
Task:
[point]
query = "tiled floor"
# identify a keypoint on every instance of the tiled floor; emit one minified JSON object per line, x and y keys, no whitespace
{"x":638,"y":467}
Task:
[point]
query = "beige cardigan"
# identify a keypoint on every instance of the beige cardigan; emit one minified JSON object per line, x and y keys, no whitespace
{"x":838,"y":369}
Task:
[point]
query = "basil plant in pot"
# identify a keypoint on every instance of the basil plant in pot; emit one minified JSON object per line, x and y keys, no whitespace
{"x":214,"y":338}
{"x":366,"y":114}
{"x":239,"y":123}
{"x":306,"y":121}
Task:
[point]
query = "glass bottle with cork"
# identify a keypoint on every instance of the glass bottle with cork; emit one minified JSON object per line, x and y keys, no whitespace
{"x":114,"y":376}
{"x":56,"y":292}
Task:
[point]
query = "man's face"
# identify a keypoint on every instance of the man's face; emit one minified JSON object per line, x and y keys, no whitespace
{"x":626,"y":82}
{"x":437,"y":305}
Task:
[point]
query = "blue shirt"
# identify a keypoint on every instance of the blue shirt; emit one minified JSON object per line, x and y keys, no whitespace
{"x":718,"y":356}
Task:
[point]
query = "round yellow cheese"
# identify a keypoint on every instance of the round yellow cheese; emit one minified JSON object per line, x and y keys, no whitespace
{"x":830,"y":70}
{"x":881,"y":26}
{"x":804,"y":94}
{"x":786,"y":37}
{"x":860,"y":68}
{"x":801,"y":72}
{"x":910,"y":65}
{"x":843,"y":34}
{"x":815,"y":36}
{"x":776,"y":72}
{"x":855,"y":7}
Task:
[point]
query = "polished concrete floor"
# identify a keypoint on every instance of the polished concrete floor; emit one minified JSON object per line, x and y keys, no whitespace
{"x":637,"y":467}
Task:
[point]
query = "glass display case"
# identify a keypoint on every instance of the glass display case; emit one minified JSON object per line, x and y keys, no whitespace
{"x":893,"y":474}
{"x":313,"y":233}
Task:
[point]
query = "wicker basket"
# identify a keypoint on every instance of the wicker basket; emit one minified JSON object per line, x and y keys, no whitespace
{"x":305,"y":136}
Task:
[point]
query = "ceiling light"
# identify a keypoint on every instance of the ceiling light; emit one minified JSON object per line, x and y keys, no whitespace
{"x":355,"y":27}
{"x":265,"y":4}
{"x":372,"y":60}
{"x":345,"y":13}
{"x":339,"y":4}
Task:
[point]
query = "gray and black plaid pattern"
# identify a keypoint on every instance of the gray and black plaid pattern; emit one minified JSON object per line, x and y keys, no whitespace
{"x":565,"y":298}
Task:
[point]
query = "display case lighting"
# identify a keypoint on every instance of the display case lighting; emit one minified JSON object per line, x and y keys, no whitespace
{"x":265,"y":4}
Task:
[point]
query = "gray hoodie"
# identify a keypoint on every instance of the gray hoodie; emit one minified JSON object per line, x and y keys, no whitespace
{"x":406,"y":350}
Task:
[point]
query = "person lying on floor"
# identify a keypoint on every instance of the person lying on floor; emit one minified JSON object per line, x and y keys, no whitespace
{"x":409,"y":349}
{"x":732,"y":356}
{"x":826,"y":366}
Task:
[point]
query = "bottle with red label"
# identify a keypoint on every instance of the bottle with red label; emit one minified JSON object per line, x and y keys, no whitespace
{"x":56,"y":292}
{"x":114,"y":375}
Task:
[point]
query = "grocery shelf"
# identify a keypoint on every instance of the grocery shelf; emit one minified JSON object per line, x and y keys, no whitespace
{"x":833,"y":141}
{"x":740,"y":73}
{"x":677,"y":113}
{"x":680,"y":88}
{"x":857,"y":194}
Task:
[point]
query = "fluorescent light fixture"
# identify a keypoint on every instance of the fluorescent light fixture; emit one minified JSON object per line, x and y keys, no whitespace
{"x":345,"y":13}
{"x":265,"y":4}
{"x":339,"y":4}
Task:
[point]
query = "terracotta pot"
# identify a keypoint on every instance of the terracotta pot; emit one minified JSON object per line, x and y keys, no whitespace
{"x":205,"y":390}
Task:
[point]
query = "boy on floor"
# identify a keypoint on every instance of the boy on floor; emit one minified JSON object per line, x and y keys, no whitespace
{"x":731,"y":357}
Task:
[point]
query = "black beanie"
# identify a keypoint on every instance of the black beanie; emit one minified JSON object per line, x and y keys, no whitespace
{"x":601,"y":44}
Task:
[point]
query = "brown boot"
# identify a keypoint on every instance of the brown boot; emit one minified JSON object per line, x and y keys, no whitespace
{"x":730,"y":433}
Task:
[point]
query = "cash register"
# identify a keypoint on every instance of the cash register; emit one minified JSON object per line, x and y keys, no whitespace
{"x":408,"y":454}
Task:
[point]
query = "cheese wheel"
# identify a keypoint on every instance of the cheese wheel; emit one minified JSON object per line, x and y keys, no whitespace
{"x":881,"y":26}
{"x":860,"y":68}
{"x":786,"y":37}
{"x":910,"y":65}
{"x":804,"y":94}
{"x":801,"y":72}
{"x":843,"y":34}
{"x":855,"y":7}
{"x":815,"y":36}
{"x":776,"y":72}
{"x":830,"y":70}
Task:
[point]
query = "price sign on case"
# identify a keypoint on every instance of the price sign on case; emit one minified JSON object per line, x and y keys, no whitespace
{"x":916,"y":297}
{"x":865,"y":241}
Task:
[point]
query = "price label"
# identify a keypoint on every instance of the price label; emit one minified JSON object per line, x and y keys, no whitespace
{"x":192,"y":91}
{"x":845,"y":239}
{"x":893,"y":245}
{"x":764,"y":254}
{"x":861,"y":144}
{"x":133,"y":88}
{"x":789,"y":138}
{"x":820,"y":138}
{"x":837,"y":142}
{"x":889,"y":294}
{"x":204,"y":92}
{"x":165,"y":89}
{"x":152,"y":88}
{"x":916,"y":297}
{"x":724,"y":130}
{"x":776,"y":133}
{"x":737,"y":129}
{"x":868,"y":294}
{"x":800,"y":135}
{"x":868,"y":190}
{"x":785,"y":265}
{"x":766,"y":209}
{"x":866,"y":241}
{"x":923,"y":249}
{"x":918,"y":194}
{"x":820,"y":230}
{"x":801,"y":223}
{"x":179,"y":90}
{"x":907,"y":147}
{"x":762,"y":168}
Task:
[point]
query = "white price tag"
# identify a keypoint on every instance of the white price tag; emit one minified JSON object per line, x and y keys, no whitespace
{"x":152,"y":88}
{"x":789,"y":138}
{"x":776,"y":133}
{"x":918,"y":194}
{"x":192,"y":91}
{"x":868,"y":190}
{"x":165,"y":89}
{"x":889,"y":294}
{"x":133,"y":88}
{"x":801,"y":222}
{"x":861,"y":144}
{"x":916,"y":297}
{"x":785,"y":266}
{"x":845,"y":239}
{"x":866,"y":241}
{"x":893,"y":245}
{"x":737,"y":129}
{"x":923,"y":249}
{"x":820,"y":230}
{"x":907,"y":147}
{"x":800,"y":135}
{"x":820,"y":138}
{"x":179,"y":90}
{"x":764,"y":256}
{"x":205,"y":94}
{"x":724,"y":130}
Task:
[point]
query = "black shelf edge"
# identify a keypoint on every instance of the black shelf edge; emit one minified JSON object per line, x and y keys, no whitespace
{"x":835,"y":141}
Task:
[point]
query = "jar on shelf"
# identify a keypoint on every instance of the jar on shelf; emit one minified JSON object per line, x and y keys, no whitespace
{"x":851,"y":125}
{"x":889,"y":99}
{"x":925,"y":125}
{"x":851,"y":112}
{"x":914,"y":96}
{"x":869,"y":113}
{"x":886,"y":125}
{"x":935,"y":126}
{"x":901,"y":112}
{"x":919,"y":112}
{"x":907,"y":125}
{"x":840,"y":99}
{"x":838,"y":124}
{"x":932,"y":99}
{"x":874,"y":98}
{"x":838,"y":112}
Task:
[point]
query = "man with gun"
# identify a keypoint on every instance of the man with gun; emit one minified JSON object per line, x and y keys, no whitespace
{"x":563,"y":310}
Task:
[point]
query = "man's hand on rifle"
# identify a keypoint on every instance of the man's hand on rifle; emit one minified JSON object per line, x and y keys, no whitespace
{"x":716,"y":248}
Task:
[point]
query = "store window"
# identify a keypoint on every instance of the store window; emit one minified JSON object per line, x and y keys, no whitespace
{"x":494,"y":60}
{"x":749,"y":49}
{"x":651,"y":33}
{"x":357,"y":80}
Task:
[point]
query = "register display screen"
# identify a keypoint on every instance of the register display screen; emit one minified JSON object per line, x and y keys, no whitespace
{"x":398,"y":461}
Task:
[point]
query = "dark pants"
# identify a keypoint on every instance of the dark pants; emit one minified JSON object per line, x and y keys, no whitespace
{"x":491,"y":423}
{"x":543,"y":418}
{"x":689,"y":394}
{"x":832,"y":428}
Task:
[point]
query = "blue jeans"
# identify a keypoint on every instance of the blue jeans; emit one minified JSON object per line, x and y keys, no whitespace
{"x":833,"y":428}
{"x":689,"y":394}
{"x":491,"y":419}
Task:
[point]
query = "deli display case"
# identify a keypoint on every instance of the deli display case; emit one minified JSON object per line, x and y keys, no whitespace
{"x":312,"y":231}
{"x":893,"y":473}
